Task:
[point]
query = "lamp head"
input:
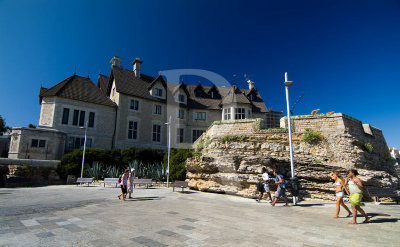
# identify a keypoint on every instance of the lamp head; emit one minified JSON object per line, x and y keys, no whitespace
{"x":288,"y":83}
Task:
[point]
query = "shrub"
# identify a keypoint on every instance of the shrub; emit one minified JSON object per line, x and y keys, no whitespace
{"x":23,"y":171}
{"x":177,"y":166}
{"x":71,"y":162}
{"x":368,"y":146}
{"x":312,"y":137}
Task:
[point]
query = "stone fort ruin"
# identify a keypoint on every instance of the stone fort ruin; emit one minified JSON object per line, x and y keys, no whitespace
{"x":231,"y":154}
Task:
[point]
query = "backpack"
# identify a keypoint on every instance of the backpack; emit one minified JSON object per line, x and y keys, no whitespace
{"x":284,"y":184}
{"x":120,"y":179}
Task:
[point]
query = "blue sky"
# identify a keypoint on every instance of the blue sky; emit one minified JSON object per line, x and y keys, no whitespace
{"x":345,"y":55}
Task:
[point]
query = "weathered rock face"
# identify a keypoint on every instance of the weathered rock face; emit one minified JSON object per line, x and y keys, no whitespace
{"x":233,"y":152}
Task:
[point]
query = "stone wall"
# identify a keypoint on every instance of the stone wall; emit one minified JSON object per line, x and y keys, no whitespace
{"x":233,"y":152}
{"x":26,"y":172}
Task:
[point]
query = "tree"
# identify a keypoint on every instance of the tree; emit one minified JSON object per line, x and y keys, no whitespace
{"x":3,"y":127}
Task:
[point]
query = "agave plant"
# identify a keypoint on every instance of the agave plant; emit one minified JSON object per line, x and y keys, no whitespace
{"x":153,"y":170}
{"x":112,"y":172}
{"x":95,"y":171}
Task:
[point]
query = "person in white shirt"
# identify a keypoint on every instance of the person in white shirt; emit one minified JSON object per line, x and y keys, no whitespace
{"x":263,"y":185}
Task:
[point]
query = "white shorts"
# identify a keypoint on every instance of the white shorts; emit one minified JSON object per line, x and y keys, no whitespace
{"x":266,"y":187}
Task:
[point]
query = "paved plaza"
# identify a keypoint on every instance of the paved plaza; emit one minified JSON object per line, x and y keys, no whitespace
{"x":71,"y":215}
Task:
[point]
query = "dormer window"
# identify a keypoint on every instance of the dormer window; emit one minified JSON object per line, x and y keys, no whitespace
{"x":199,"y":93}
{"x":158,"y":92}
{"x":181,"y":98}
{"x":212,"y":95}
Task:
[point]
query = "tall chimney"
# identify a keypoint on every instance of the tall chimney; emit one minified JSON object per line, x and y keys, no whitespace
{"x":136,"y":66}
{"x":251,"y":84}
{"x":115,"y":61}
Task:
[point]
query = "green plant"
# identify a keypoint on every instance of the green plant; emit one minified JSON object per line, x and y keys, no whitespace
{"x":71,"y":162}
{"x":312,"y":137}
{"x":199,"y":147}
{"x":95,"y":171}
{"x":112,"y":172}
{"x":196,"y":154}
{"x":242,"y":138}
{"x":3,"y":127}
{"x":177,"y":166}
{"x":207,"y":141}
{"x":317,"y":162}
{"x":153,"y":170}
{"x":226,"y":139}
{"x":23,"y":171}
{"x":368,"y":146}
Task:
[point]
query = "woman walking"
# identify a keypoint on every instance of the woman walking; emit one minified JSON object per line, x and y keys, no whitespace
{"x":130,"y":182}
{"x":124,"y":184}
{"x":281,"y":188}
{"x":355,"y":188}
{"x":263,"y":185}
{"x":339,"y":183}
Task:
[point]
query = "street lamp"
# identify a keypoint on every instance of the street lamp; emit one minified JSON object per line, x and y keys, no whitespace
{"x":84,"y":149}
{"x":169,"y":147}
{"x":287,"y":85}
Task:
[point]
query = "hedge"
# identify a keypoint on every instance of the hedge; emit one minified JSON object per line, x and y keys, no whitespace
{"x":71,"y":162}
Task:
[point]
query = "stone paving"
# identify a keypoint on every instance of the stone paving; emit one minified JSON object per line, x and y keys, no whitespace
{"x":93,"y":216}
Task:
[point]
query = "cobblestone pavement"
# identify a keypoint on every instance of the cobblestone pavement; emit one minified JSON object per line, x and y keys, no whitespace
{"x":93,"y":216}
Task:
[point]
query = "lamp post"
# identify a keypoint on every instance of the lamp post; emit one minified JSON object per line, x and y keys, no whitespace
{"x":287,"y":85}
{"x":169,"y":147}
{"x":84,"y":149}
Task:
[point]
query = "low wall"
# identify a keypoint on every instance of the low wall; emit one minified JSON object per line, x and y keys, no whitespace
{"x":31,"y":163}
{"x":27,"y":172}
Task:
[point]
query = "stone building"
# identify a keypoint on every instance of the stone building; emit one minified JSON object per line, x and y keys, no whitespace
{"x":130,"y":109}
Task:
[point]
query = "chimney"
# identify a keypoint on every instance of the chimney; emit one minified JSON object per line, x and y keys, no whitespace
{"x":251,"y":84}
{"x":136,"y":66}
{"x":115,"y":61}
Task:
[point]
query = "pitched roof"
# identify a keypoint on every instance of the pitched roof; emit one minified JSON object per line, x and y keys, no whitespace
{"x":158,"y":79}
{"x":103,"y":83}
{"x":128,"y":83}
{"x":235,"y":95}
{"x":77,"y":88}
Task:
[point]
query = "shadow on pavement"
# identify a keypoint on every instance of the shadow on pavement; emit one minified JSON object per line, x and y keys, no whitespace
{"x":310,"y":205}
{"x":392,"y":220}
{"x":377,"y":214}
{"x":146,"y":198}
{"x":186,"y":192}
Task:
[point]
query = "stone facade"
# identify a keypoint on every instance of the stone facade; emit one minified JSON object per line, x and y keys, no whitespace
{"x":99,"y":136}
{"x":233,"y":152}
{"x":36,"y":143}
